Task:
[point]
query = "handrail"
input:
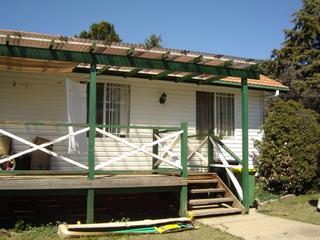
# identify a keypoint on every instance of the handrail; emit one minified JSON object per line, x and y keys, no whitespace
{"x":197,"y":135}
{"x":139,"y":127}
{"x":43,"y":123}
{"x":229,"y":172}
{"x":228,"y":150}
{"x":66,"y":124}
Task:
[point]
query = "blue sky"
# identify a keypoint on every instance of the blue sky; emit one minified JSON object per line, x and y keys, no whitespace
{"x":246,"y":28}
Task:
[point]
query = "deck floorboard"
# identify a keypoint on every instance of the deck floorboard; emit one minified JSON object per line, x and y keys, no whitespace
{"x":81,"y":182}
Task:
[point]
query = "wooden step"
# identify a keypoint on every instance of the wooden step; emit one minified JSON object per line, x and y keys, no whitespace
{"x":205,"y":174}
{"x":207,"y":190}
{"x":209,"y":201}
{"x":205,"y":206}
{"x":217,"y":205}
{"x":214,"y":211}
{"x":198,"y":181}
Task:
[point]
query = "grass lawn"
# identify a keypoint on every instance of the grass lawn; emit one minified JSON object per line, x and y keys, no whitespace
{"x":300,"y":208}
{"x":203,"y":233}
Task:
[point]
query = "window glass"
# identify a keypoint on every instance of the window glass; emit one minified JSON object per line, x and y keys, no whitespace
{"x":204,"y":111}
{"x":113,"y":106}
{"x":225,"y":114}
{"x":219,"y":116}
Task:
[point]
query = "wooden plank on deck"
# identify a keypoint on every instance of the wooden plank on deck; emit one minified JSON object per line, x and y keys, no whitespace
{"x":81,"y":182}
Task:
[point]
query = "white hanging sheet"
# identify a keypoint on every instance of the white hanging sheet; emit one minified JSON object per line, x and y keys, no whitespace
{"x":77,"y":113}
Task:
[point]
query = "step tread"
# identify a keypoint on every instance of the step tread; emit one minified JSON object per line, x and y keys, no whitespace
{"x":215,"y":211}
{"x":210,"y":180}
{"x":193,"y":207}
{"x":193,"y":174}
{"x":207,"y":190}
{"x":209,"y":201}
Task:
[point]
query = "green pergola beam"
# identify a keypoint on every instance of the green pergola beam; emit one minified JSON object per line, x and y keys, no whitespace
{"x":186,"y":78}
{"x":52,"y":44}
{"x":103,"y":70}
{"x":197,"y":59}
{"x":92,"y":47}
{"x":131,"y":51}
{"x":8,"y":39}
{"x":165,"y":55}
{"x":133,"y":72}
{"x":254,"y":67}
{"x":228,"y":63}
{"x":212,"y":79}
{"x":160,"y":75}
{"x":126,"y":61}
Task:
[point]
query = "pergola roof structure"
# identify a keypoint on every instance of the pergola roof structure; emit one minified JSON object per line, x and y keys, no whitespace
{"x":66,"y":54}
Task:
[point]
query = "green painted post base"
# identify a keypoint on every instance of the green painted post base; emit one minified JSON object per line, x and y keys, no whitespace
{"x":210,"y":150}
{"x":184,"y":173}
{"x":183,"y":201}
{"x":90,"y":206}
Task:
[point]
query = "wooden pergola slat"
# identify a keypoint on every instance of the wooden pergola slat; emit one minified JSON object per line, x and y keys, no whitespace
{"x":126,"y":61}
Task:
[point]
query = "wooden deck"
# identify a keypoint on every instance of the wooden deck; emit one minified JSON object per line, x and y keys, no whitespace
{"x":61,"y":182}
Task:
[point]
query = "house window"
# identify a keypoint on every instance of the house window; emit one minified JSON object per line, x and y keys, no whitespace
{"x":216,"y":111}
{"x":225,"y":114}
{"x":113,"y":106}
{"x":204,"y":111}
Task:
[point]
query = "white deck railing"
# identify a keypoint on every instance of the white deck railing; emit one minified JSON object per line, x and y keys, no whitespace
{"x":42,"y":147}
{"x":166,"y":142}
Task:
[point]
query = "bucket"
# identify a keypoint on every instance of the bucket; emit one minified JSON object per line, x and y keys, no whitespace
{"x":40,"y":160}
{"x":5,"y":143}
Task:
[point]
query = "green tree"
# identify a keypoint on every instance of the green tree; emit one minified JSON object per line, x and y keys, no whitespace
{"x":101,"y":31}
{"x":153,"y":40}
{"x":288,"y":152}
{"x":297,"y":63}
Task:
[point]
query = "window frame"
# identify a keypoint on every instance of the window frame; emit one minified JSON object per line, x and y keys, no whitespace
{"x":106,"y":85}
{"x":215,"y":112}
{"x":216,"y":131}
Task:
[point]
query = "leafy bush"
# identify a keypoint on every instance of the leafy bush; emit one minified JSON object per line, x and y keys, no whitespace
{"x":21,"y":226}
{"x":261,"y":194}
{"x":289,"y":149}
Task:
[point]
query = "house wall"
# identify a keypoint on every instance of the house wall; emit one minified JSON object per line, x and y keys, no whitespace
{"x":42,"y":97}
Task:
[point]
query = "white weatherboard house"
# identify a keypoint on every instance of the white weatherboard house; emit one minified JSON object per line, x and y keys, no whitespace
{"x":122,"y":109}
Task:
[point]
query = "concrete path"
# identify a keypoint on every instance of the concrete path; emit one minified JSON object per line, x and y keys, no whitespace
{"x":256,"y":226}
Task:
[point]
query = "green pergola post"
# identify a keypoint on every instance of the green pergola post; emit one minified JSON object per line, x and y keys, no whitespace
{"x":245,"y":143}
{"x":91,"y":145}
{"x":92,"y":121}
{"x":210,"y":150}
{"x":90,"y":206}
{"x":155,"y":148}
{"x":184,"y":174}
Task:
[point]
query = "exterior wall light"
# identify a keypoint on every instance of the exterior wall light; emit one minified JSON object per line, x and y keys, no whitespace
{"x":163,"y":98}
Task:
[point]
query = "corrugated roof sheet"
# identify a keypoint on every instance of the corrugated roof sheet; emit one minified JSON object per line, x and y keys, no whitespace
{"x":83,"y":45}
